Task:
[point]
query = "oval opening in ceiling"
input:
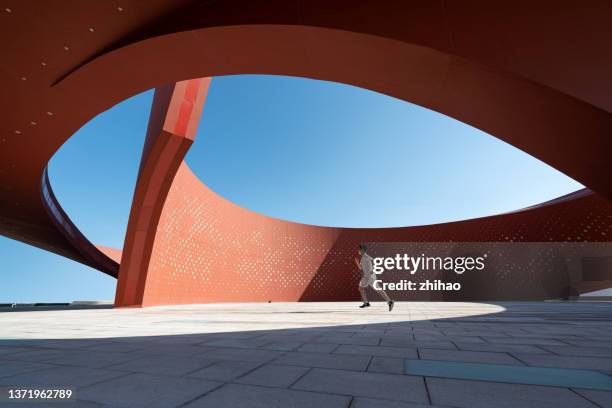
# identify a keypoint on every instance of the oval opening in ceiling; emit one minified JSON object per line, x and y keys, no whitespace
{"x":308,"y":151}
{"x":330,"y":154}
{"x":93,"y":174}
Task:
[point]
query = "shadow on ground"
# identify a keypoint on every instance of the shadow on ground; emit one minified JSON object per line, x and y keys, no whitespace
{"x":306,"y":354}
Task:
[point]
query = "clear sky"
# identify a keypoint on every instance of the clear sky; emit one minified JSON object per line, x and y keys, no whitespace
{"x":302,"y":150}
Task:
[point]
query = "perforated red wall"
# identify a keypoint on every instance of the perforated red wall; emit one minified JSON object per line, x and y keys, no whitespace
{"x":210,"y":250}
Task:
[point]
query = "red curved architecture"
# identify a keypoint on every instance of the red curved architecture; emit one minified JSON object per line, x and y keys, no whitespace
{"x":210,"y":250}
{"x":175,"y":114}
{"x":90,"y":254}
{"x":534,"y":74}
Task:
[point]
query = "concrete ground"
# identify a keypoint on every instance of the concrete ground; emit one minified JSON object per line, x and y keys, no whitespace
{"x":307,"y":354}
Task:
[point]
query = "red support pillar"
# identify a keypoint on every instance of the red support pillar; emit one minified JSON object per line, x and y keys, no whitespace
{"x":173,"y":123}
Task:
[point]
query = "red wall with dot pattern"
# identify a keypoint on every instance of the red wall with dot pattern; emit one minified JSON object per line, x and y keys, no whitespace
{"x":208,"y":249}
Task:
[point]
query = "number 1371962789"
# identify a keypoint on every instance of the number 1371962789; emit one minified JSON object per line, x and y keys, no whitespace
{"x":13,"y":393}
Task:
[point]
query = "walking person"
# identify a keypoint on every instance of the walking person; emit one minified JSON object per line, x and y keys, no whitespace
{"x":366,"y":264}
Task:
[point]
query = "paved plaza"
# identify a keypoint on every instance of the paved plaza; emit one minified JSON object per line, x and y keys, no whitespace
{"x":316,"y":355}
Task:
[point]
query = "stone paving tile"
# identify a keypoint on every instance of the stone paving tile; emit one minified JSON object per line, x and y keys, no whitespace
{"x":386,"y":365}
{"x":502,"y":348}
{"x":365,"y":384}
{"x":564,"y":337}
{"x":254,"y":355}
{"x":141,"y":339}
{"x":4,"y":351}
{"x":420,"y":322}
{"x":236,"y":343}
{"x":436,"y":338}
{"x":25,"y":342}
{"x":174,"y":349}
{"x":74,"y":344}
{"x":338,"y":361}
{"x":246,"y":396}
{"x":346,"y":333}
{"x":311,"y":331}
{"x":528,"y":341}
{"x":401,"y":342}
{"x":271,"y":375}
{"x":397,"y":330}
{"x":301,"y":338}
{"x":379,"y":351}
{"x":370,"y":333}
{"x":282,"y":345}
{"x":580,"y":351}
{"x":510,"y":327}
{"x":362,"y":341}
{"x":484,"y":394}
{"x":589,"y":363}
{"x":165,"y":365}
{"x":378,"y":403}
{"x":146,"y":391}
{"x":238,"y":335}
{"x":92,"y":359}
{"x":173,"y":341}
{"x":225,"y":370}
{"x":318,"y":347}
{"x":35,"y":355}
{"x":559,"y":330}
{"x":64,"y":376}
{"x":468,"y":356}
{"x":590,"y":343}
{"x":601,"y":398}
{"x":116,"y":347}
{"x":64,"y":404}
{"x":476,"y":333}
{"x":420,"y":328}
{"x":9,"y":367}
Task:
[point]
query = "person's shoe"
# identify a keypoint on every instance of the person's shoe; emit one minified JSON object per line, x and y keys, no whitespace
{"x":391,"y":303}
{"x":365,"y":304}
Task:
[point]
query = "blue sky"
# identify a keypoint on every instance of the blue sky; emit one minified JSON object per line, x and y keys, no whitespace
{"x":303,"y":150}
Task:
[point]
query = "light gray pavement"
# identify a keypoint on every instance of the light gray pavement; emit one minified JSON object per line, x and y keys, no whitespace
{"x":304,"y":354}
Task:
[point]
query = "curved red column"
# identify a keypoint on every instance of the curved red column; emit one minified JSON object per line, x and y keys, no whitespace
{"x":174,"y":119}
